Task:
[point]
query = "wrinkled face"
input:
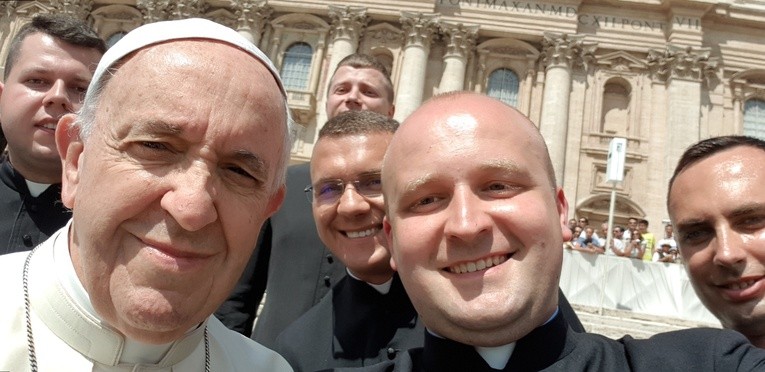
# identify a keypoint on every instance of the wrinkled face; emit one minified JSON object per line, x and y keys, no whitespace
{"x":351,"y":226}
{"x":717,"y":207}
{"x":48,"y":80}
{"x":171,"y":188}
{"x":358,"y":89}
{"x":474,"y":223}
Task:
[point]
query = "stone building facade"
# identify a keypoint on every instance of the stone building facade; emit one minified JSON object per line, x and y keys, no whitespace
{"x":660,"y":73}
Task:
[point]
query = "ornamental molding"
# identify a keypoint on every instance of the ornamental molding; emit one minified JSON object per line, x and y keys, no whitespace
{"x":384,"y":34}
{"x":621,"y":61}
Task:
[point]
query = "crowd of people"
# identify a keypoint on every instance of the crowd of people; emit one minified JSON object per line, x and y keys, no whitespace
{"x":147,"y":205}
{"x":631,"y":241}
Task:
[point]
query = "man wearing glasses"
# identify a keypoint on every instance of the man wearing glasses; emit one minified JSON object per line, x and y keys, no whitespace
{"x":367,"y":317}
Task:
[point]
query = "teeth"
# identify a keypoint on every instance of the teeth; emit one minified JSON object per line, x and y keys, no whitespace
{"x":361,"y":234}
{"x":741,"y":285}
{"x":482,"y":264}
{"x":50,"y":126}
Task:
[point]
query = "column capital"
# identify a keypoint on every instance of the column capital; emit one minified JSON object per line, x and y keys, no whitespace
{"x":77,"y":8}
{"x":566,"y":50}
{"x":348,"y":21}
{"x":419,"y":28}
{"x":153,"y":10}
{"x":182,"y":9}
{"x":683,"y":62}
{"x":250,"y":14}
{"x":461,"y":39}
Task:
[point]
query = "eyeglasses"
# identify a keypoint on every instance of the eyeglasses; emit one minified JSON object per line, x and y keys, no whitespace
{"x":330,"y":191}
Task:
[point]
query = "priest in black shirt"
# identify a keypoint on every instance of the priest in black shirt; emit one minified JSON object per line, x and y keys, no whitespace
{"x":49,"y":66}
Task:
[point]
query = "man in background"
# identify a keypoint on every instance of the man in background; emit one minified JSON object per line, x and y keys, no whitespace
{"x":367,"y":317}
{"x":49,"y":66}
{"x":300,"y":269}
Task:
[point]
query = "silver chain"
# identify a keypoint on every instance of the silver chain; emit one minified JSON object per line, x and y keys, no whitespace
{"x":28,"y":315}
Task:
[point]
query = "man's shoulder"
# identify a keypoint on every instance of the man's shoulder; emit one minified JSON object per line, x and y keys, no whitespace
{"x":242,"y":351}
{"x":707,"y":349}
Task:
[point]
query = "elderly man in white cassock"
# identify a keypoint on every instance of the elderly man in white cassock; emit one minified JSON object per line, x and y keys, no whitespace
{"x":174,"y":162}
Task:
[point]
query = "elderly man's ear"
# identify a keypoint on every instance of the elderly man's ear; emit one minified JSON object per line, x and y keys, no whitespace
{"x":70,"y":147}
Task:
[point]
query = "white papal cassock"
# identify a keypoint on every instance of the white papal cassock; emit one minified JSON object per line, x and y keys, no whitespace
{"x":69,"y":336}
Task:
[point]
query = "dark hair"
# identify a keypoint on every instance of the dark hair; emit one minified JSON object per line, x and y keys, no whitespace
{"x":60,"y":26}
{"x":359,"y":60}
{"x":358,"y":122}
{"x":708,"y":147}
{"x":643,"y":220}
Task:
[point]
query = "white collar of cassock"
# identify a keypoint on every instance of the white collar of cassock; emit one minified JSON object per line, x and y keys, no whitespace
{"x":498,"y":356}
{"x":383,"y":288}
{"x":63,"y":304}
{"x":35,"y":189}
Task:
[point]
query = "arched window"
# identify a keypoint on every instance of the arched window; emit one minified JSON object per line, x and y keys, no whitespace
{"x":616,"y":104}
{"x":503,"y":85}
{"x":111,"y":40}
{"x":754,"y":118}
{"x":297,"y":66}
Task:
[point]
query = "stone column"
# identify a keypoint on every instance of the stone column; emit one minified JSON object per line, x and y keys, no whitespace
{"x":419,"y":29}
{"x":461,"y":40}
{"x":77,"y":8}
{"x":347,"y":24}
{"x":561,"y":53}
{"x":251,"y":18}
{"x":684,"y":70}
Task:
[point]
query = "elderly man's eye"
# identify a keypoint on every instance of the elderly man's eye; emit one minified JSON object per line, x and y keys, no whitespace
{"x":239,"y":171}
{"x":154,"y":145}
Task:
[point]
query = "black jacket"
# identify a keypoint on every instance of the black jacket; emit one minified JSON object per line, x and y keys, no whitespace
{"x":26,"y":221}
